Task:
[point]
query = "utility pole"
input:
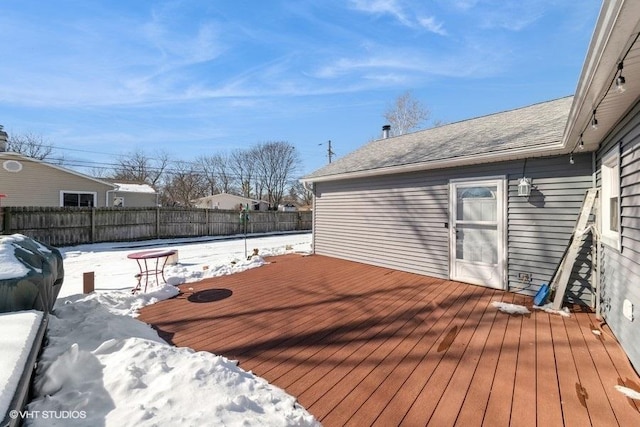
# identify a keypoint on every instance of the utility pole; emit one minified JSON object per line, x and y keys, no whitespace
{"x":330,"y":152}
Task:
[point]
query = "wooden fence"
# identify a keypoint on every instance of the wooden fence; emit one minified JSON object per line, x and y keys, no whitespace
{"x":72,"y":226}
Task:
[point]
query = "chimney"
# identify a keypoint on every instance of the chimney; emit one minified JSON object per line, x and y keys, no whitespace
{"x":3,"y":140}
{"x":386,"y":129}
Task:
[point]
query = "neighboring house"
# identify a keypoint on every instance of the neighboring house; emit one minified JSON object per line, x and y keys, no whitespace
{"x":444,"y":202}
{"x":229,"y":202}
{"x":287,"y":207}
{"x":29,"y":182}
{"x":25,"y":181}
{"x":133,"y":195}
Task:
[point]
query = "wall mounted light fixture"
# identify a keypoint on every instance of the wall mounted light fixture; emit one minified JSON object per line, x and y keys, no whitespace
{"x":620,"y":80}
{"x":524,"y":187}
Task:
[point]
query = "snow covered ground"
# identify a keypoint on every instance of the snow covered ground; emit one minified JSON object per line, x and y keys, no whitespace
{"x":102,"y":367}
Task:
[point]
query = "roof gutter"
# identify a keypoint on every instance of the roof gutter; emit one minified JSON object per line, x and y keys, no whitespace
{"x":556,"y":149}
{"x":612,"y":35}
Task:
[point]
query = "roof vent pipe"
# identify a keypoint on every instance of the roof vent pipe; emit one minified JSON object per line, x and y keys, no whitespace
{"x":3,"y":140}
{"x":386,"y":129}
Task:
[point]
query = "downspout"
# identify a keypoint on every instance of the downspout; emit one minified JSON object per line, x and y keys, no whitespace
{"x":106,"y":203}
{"x":597,"y":251}
{"x":310,"y":186}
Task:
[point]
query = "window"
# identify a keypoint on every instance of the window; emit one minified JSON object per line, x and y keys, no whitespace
{"x":610,"y":199}
{"x":77,"y":199}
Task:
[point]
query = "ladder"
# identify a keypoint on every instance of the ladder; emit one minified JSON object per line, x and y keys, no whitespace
{"x":560,"y":278}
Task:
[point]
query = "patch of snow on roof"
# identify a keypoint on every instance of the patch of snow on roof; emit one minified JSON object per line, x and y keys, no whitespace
{"x":134,"y":188}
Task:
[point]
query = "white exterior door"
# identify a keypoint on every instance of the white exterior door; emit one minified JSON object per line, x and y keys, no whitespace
{"x":477,"y":233}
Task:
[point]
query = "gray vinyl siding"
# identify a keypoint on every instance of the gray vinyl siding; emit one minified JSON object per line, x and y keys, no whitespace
{"x":620,"y":270}
{"x":399,"y":221}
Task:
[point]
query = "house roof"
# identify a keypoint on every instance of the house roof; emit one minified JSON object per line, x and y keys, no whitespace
{"x":535,"y":130}
{"x":134,"y":188}
{"x":20,"y":157}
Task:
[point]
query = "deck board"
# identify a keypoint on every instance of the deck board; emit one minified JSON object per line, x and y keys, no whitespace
{"x":523,"y":408}
{"x":498,"y":411}
{"x":363,"y":345}
{"x":475,"y":403}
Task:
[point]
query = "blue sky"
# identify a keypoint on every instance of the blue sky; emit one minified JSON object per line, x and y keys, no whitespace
{"x":101,"y":78}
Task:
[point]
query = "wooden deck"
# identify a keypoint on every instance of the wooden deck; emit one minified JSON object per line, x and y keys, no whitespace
{"x":361,"y":345}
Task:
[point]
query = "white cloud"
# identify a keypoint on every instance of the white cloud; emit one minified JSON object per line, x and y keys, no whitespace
{"x":474,"y":60}
{"x":431,"y":25}
{"x":404,"y":15}
{"x":510,"y":15}
{"x":381,"y":7}
{"x":463,"y":4}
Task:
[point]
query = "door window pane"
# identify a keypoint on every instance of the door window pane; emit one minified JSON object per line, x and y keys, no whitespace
{"x":477,"y":244}
{"x":477,"y":204}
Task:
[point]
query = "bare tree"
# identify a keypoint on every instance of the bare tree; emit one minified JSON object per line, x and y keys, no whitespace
{"x":299,"y":195}
{"x":183,"y":183}
{"x":243,"y":167}
{"x":100,"y":172}
{"x":436,"y":123}
{"x":139,"y":167}
{"x":30,"y":145}
{"x":218,"y":172}
{"x":276,"y":164}
{"x":206,"y":166}
{"x":406,"y":114}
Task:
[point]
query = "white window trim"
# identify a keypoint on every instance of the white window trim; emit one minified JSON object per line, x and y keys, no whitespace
{"x":610,"y":185}
{"x":95,"y":196}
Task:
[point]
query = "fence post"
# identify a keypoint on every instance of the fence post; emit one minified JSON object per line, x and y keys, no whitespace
{"x":6,"y":228}
{"x":157,"y":222}
{"x":93,"y":224}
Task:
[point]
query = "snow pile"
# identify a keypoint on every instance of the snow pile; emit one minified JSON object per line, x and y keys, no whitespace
{"x":179,"y":274}
{"x":548,"y":308}
{"x":198,"y":259}
{"x":17,"y":333}
{"x":104,"y":367}
{"x":510,"y":308}
{"x":630,"y":393}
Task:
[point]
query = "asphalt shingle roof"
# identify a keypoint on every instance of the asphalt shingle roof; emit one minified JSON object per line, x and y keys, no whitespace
{"x":534,"y":126}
